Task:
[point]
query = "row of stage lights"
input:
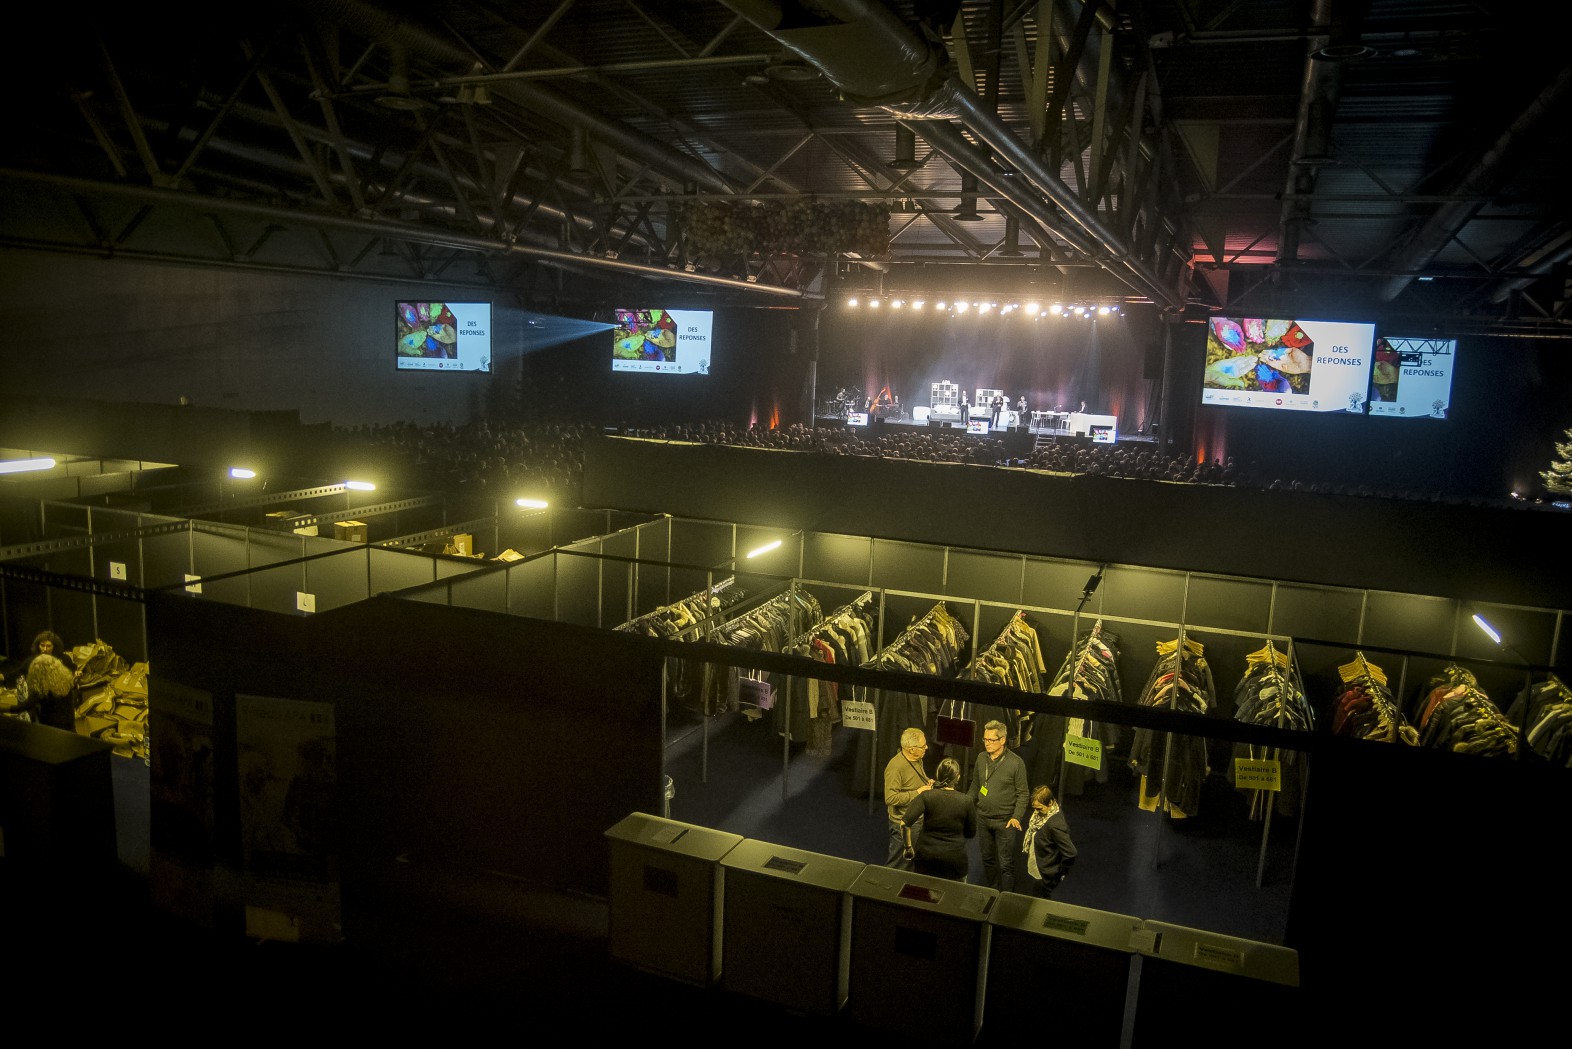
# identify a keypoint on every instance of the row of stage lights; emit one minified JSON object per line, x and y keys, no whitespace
{"x":984,"y":306}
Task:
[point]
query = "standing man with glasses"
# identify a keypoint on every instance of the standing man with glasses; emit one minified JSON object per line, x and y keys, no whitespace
{"x":1000,"y":787}
{"x":904,"y":779}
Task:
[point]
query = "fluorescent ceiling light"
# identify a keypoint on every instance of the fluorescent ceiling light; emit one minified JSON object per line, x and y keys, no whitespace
{"x":17,"y":466}
{"x":1489,"y":630}
{"x":360,"y":486}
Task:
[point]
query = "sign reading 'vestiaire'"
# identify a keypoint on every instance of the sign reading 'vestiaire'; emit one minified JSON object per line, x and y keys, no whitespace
{"x":857,"y":714}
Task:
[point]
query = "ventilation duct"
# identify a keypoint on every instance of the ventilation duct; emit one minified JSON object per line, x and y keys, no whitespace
{"x":877,"y":60}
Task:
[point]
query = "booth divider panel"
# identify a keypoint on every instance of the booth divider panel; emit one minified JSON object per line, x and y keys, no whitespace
{"x":1233,"y":604}
{"x":449,"y":567}
{"x":700,"y":542}
{"x":1137,"y":593}
{"x":985,"y":576}
{"x":340,"y":580}
{"x":1056,"y":584}
{"x":909,"y":566}
{"x":1329,"y":613}
{"x":274,"y":589}
{"x":1421,"y":624}
{"x":578,"y":587}
{"x":165,"y":559}
{"x":838,"y":558}
{"x":483,"y":590}
{"x":392,"y":570}
{"x":531,"y":588}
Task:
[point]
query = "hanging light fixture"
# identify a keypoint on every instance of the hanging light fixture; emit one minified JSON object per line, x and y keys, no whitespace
{"x":905,"y":148}
{"x":1012,"y":238}
{"x":967,"y":211}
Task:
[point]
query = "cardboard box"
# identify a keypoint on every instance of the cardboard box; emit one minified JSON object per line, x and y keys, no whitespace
{"x":350,"y":531}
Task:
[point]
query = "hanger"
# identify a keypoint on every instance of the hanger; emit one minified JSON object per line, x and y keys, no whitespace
{"x":1361,"y":670}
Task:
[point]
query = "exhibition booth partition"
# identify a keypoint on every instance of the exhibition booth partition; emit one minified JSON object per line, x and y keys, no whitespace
{"x":298,"y":756}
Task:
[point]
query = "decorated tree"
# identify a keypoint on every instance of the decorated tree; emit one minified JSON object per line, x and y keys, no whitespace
{"x":1559,"y":477}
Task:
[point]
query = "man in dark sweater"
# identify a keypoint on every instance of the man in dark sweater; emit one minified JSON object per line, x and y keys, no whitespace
{"x":999,"y":785}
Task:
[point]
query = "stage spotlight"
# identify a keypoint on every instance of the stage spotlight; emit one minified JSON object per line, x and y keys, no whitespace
{"x":984,"y":307}
{"x":961,"y":307}
{"x":851,"y":302}
{"x":896,"y":304}
{"x":1056,"y":309}
{"x":917,"y":304}
{"x":941,"y":305}
{"x":873,"y":304}
{"x":1032,"y":309}
{"x":1080,"y":311}
{"x":1103,"y":310}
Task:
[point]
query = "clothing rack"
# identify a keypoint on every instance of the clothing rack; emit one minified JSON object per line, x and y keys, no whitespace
{"x":1090,"y":671}
{"x":1015,"y":659}
{"x":932,"y":645}
{"x":810,"y":708}
{"x":1271,"y":692}
{"x":1181,"y":681}
{"x":1366,"y":709}
{"x":1459,"y":717}
{"x":691,"y":614}
{"x":1546,"y":707}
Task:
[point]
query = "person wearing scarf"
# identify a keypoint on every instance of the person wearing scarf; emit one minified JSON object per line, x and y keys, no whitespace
{"x":1049,"y":851}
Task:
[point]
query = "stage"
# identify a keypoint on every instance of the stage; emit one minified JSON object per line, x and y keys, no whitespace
{"x":1040,"y":427}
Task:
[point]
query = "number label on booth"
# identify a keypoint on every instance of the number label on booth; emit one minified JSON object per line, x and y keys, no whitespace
{"x":1081,"y":750}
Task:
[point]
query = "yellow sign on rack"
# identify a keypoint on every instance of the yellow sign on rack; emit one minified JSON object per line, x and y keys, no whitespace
{"x":1258,"y":775}
{"x":1082,"y":750}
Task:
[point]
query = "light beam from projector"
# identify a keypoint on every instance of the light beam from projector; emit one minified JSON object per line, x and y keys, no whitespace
{"x":543,"y":330}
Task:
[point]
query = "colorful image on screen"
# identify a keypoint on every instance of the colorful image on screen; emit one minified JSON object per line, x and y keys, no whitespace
{"x":1412,"y":378}
{"x":1319,"y":366}
{"x":662,"y":341}
{"x":443,"y":336}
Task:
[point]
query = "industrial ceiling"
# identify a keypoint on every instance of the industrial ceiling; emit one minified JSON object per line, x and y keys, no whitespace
{"x":1390,"y":159}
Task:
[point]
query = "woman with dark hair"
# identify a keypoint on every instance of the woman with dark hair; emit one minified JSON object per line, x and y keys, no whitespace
{"x":949,"y":817}
{"x":1049,"y":851}
{"x":47,"y":683}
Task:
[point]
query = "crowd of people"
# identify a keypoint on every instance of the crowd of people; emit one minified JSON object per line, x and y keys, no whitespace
{"x":485,"y":458}
{"x":547,"y":459}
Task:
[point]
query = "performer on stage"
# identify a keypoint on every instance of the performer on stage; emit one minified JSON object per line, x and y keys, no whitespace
{"x":966,"y":409}
{"x":1020,"y":407}
{"x":998,"y":406}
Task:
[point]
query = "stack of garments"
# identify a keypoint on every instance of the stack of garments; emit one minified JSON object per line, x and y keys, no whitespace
{"x":1458,"y":716}
{"x":1172,"y":767}
{"x":1365,"y":708}
{"x":1270,"y":694}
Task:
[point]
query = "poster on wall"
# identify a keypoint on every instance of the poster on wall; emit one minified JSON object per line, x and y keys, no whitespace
{"x":286,"y":752}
